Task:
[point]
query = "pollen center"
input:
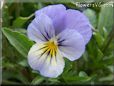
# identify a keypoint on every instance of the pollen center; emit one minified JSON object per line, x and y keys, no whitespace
{"x":51,"y":48}
{"x":51,"y":45}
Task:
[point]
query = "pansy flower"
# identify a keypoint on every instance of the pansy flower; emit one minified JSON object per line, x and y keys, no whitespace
{"x":58,"y":33}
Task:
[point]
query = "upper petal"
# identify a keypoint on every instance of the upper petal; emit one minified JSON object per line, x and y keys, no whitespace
{"x":56,"y":13}
{"x":78,"y":21}
{"x":41,"y":61}
{"x":71,"y":44}
{"x":41,"y":28}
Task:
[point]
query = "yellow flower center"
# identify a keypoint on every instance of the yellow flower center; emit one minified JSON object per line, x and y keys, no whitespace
{"x":51,"y":47}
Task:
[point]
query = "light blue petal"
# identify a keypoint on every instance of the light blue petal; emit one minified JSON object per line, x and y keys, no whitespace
{"x":57,"y":14}
{"x":78,"y":21}
{"x":41,"y":28}
{"x":71,"y":44}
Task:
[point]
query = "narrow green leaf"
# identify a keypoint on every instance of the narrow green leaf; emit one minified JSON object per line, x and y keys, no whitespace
{"x":37,"y":80}
{"x":18,"y":40}
{"x":105,"y":18}
{"x":107,"y":78}
{"x":20,"y":21}
{"x":99,"y":39}
{"x":105,"y":32}
{"x":76,"y":79}
{"x":53,"y":80}
{"x":108,"y":40}
{"x":72,"y":77}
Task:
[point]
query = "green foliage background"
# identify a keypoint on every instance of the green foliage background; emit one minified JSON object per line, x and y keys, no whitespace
{"x":96,"y":66}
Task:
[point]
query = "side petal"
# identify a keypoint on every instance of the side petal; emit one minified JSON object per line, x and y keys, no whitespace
{"x":56,"y":13}
{"x":41,"y":28}
{"x":78,"y":21}
{"x":41,"y":61}
{"x":71,"y":44}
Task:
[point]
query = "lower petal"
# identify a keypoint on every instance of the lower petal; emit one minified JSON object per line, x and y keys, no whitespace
{"x":41,"y":61}
{"x":53,"y":67}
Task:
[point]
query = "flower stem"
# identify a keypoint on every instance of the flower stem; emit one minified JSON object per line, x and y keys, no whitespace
{"x":75,"y":66}
{"x":29,"y":17}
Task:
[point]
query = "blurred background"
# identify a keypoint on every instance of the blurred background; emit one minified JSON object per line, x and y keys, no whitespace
{"x":96,"y":66}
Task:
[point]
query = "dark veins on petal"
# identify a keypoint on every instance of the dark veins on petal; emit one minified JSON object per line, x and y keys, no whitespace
{"x":61,"y":41}
{"x":48,"y":53}
{"x":47,"y":39}
{"x":47,"y":35}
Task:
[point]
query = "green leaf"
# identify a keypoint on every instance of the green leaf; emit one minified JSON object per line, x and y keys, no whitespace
{"x":111,"y":68}
{"x":105,"y":33}
{"x":76,"y":79}
{"x":37,"y":80}
{"x":99,"y":39}
{"x":21,"y":30}
{"x":105,"y":18}
{"x":40,"y":5}
{"x":92,"y":16}
{"x":82,"y":74}
{"x":23,"y":63}
{"x":20,"y":21}
{"x":17,"y":75}
{"x":68,"y":66}
{"x":5,"y":16}
{"x":18,"y":40}
{"x":72,"y":77}
{"x":107,"y":78}
{"x":53,"y":81}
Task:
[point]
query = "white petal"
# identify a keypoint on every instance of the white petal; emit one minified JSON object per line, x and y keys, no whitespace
{"x":53,"y":67}
{"x":41,"y":28}
{"x":71,"y":44}
{"x":47,"y":66}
